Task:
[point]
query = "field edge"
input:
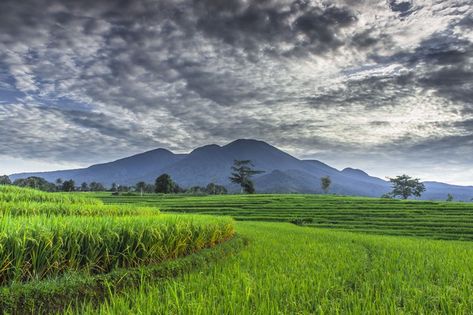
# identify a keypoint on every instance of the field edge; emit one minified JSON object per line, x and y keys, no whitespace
{"x":51,"y":296}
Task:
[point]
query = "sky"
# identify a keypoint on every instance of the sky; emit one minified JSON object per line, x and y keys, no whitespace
{"x":385,"y":86}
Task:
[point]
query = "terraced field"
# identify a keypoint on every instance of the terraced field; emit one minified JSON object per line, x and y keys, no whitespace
{"x":287,"y":269}
{"x":439,"y":220}
{"x":58,"y":248}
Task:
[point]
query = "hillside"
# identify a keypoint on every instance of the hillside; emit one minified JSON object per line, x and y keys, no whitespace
{"x":211,"y":163}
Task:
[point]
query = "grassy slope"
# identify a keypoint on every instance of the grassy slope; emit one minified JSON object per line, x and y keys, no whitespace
{"x":288,"y":269}
{"x":440,"y":220}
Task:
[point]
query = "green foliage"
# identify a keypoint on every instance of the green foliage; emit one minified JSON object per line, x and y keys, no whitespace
{"x":406,"y":186}
{"x":36,"y":183}
{"x":84,"y":186}
{"x":5,"y":180}
{"x":164,"y":184}
{"x":210,"y":189}
{"x":140,"y":187}
{"x":449,"y":197}
{"x":94,"y":186}
{"x":325,"y":183}
{"x":242,"y":171}
{"x":68,"y":185}
{"x":214,"y":189}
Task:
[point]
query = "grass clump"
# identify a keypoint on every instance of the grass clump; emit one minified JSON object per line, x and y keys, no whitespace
{"x":53,"y":295}
{"x":29,"y":208}
{"x":9,"y":193}
{"x":41,"y":247}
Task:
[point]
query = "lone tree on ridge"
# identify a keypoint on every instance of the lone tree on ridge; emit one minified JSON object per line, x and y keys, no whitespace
{"x":242,"y":171}
{"x":164,"y":184}
{"x":325,"y":183}
{"x":406,"y":186}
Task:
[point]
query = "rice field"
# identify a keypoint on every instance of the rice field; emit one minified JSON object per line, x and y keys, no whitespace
{"x":13,"y":194}
{"x":292,"y":254}
{"x":43,"y":246}
{"x":51,"y":237}
{"x":438,"y":220}
{"x":288,"y":269}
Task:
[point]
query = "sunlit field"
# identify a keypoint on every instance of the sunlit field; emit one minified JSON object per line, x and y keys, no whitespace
{"x":439,"y":220}
{"x":53,"y":246}
{"x":84,"y":253}
{"x":287,"y":269}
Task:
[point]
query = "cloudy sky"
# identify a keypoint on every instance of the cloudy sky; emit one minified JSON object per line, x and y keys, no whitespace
{"x":386,"y":86}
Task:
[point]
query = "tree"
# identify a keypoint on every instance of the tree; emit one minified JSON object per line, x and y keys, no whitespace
{"x":123,"y":188}
{"x":150,"y":188}
{"x":140,"y":186}
{"x":449,"y":197}
{"x":114,"y":187}
{"x":406,"y":186}
{"x":68,"y":185}
{"x":94,"y":186}
{"x":5,"y":180}
{"x":196,"y":190}
{"x":84,"y":186}
{"x":325,"y":183}
{"x":164,"y":184}
{"x":178,"y":189}
{"x":36,"y":183}
{"x":241,"y":174}
{"x":214,"y":189}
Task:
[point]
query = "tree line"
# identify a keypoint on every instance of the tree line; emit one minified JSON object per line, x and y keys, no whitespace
{"x":242,"y":171}
{"x":163,"y":184}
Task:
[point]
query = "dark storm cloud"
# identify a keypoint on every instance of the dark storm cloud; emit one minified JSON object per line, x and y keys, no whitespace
{"x":80,"y":76}
{"x":403,"y":7}
{"x":444,"y":63}
{"x":369,"y":92}
{"x":267,"y":25}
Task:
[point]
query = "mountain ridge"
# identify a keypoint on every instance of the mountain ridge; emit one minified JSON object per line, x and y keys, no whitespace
{"x":283,"y":173}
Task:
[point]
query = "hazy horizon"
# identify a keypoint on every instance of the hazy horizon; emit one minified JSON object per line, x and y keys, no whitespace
{"x":385,"y":86}
{"x":39,"y":167}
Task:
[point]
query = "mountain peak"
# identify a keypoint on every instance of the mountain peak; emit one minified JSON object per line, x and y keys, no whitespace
{"x":354,"y":171}
{"x":247,"y":142}
{"x":206,"y":148}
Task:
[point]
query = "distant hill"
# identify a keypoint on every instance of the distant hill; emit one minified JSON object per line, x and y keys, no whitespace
{"x":211,"y":163}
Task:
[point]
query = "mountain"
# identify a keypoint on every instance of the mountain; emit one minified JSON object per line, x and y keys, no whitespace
{"x":124,"y":171}
{"x":283,"y":173}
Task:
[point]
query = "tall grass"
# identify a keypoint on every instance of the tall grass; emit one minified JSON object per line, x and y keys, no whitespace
{"x":10,"y":193}
{"x":38,"y":247}
{"x":287,"y":269}
{"x":29,"y":208}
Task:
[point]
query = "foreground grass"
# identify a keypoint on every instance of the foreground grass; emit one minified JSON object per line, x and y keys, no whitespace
{"x":439,"y":220}
{"x":288,"y":269}
{"x":53,"y":295}
{"x":55,"y":248}
{"x":49,"y":246}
